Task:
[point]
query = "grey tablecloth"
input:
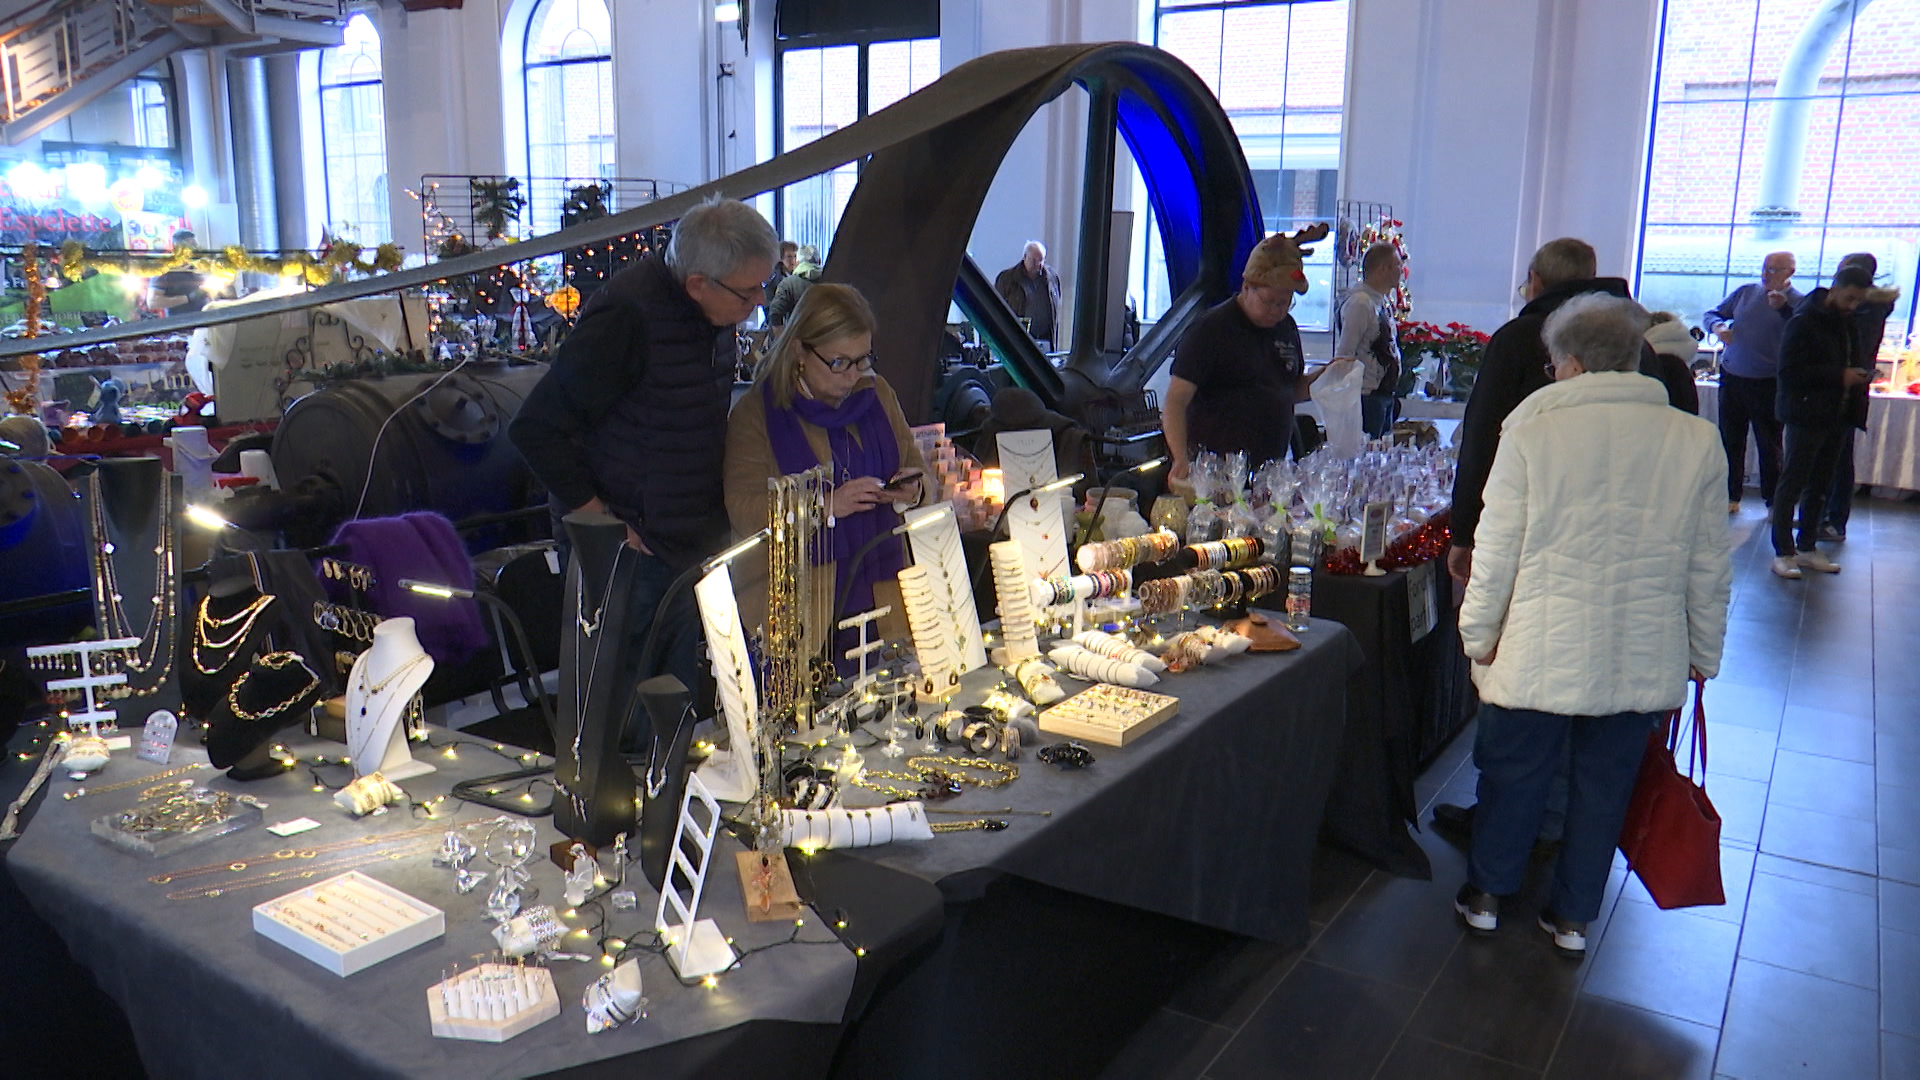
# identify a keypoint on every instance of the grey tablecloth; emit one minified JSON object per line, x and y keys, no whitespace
{"x":207,"y":996}
{"x":1211,"y":817}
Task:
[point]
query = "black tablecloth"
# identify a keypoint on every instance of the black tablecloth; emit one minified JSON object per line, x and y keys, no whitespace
{"x":208,"y":996}
{"x":1210,"y":817}
{"x":1403,"y":704}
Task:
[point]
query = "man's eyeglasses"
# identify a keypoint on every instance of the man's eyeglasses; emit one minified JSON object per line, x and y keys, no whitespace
{"x":763,"y":289}
{"x":838,"y":364}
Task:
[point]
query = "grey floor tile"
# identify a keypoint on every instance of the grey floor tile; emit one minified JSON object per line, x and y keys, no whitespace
{"x":1398,"y":929}
{"x":1423,"y":1059}
{"x":1736,"y":873}
{"x":1234,"y":982}
{"x":1899,"y":1057}
{"x":1827,"y":839}
{"x":1505,"y":996}
{"x":1742,"y":805}
{"x":1732,"y":701}
{"x":1828,"y":734}
{"x":1900,"y":905}
{"x":1813,"y":929}
{"x":1671,"y":962}
{"x":1743,"y":752}
{"x":1833,"y":694}
{"x":1900,"y":864}
{"x":1318,"y":1023}
{"x":1829,"y":785}
{"x":1170,"y":1046}
{"x":1898,"y":812}
{"x":1606,"y":1040}
{"x":1900,"y":982}
{"x":1814,"y":872}
{"x":1782,"y":1023}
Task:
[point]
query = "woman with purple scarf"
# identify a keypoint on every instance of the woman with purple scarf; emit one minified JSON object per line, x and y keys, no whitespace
{"x":815,"y":401}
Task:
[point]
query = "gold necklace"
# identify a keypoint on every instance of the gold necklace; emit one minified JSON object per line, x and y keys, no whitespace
{"x":284,"y":854}
{"x":212,"y":622}
{"x":983,"y":824}
{"x":293,"y":873}
{"x":1007,"y":774}
{"x":274,"y":661}
{"x":112,"y":617}
{"x":83,"y":792}
{"x":201,"y":638}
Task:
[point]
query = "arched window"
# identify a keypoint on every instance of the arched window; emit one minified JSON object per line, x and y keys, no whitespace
{"x":567,"y":68}
{"x":353,"y":135}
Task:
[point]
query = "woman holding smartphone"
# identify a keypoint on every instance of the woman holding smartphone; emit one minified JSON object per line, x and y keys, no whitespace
{"x":815,"y":401}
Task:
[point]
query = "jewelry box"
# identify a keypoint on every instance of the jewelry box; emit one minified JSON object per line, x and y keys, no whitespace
{"x":349,"y":922}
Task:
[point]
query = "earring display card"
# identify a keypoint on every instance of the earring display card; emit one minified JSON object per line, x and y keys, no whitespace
{"x":1109,"y":715}
{"x":1041,"y":531}
{"x":348,"y":923}
{"x":729,"y":773}
{"x":936,"y":546}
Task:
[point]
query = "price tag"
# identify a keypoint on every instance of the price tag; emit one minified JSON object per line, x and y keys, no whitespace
{"x":156,"y":739}
{"x":1373,"y":535}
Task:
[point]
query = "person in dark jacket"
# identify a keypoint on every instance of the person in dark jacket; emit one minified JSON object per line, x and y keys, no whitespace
{"x":1817,"y":378}
{"x":631,"y":419}
{"x":1032,"y":289}
{"x":1514,"y":364}
{"x":1870,"y":328}
{"x":1749,"y":323}
{"x":786,"y":297}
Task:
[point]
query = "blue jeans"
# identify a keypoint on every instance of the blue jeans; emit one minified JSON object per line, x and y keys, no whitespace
{"x":1553,"y":823}
{"x":1378,"y":411}
{"x":676,"y":649}
{"x":1517,"y":763}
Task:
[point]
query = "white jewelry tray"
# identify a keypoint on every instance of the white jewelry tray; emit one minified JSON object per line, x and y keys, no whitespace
{"x":423,"y":924}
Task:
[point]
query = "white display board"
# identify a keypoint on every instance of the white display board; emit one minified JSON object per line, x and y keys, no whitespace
{"x":731,"y":774}
{"x":935,"y":541}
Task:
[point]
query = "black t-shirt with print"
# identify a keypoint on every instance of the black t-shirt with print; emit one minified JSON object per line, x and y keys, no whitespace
{"x":1247,"y":380}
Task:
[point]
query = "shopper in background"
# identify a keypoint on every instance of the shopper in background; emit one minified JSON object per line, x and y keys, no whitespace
{"x":789,"y":258}
{"x":1670,"y":337}
{"x":1367,"y":335}
{"x":1817,"y":380}
{"x":1239,"y":368}
{"x":1749,"y":323}
{"x":1032,"y":289}
{"x":631,"y":418}
{"x":181,"y":291}
{"x":815,"y":401}
{"x":1869,"y":328}
{"x":806,"y":271}
{"x":1599,"y":586}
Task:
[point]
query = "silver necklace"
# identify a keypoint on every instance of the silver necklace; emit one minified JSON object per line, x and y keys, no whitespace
{"x":590,"y":628}
{"x":368,"y":692}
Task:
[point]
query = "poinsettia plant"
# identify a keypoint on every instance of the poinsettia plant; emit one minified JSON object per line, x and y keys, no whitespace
{"x":1455,"y":345}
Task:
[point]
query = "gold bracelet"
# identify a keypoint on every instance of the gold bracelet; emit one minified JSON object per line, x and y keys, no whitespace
{"x":1007,"y":774}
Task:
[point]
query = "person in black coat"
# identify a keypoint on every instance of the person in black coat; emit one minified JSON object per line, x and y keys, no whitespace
{"x":1817,"y":380}
{"x":1870,"y":328}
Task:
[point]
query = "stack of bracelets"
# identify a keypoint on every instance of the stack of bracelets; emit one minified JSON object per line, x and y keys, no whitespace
{"x":1206,"y":588}
{"x":1127,"y":552}
{"x":1231,"y":552}
{"x":1094,"y":586}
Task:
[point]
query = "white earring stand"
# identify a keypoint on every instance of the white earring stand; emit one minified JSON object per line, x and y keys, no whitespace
{"x":376,"y":737}
{"x":730,"y":774}
{"x":1011,"y":585}
{"x":936,"y":546}
{"x":87,"y":681}
{"x":696,"y":946}
{"x":863,"y":622}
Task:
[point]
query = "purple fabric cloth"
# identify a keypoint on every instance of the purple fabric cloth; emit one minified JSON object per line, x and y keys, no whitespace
{"x":874,"y":453}
{"x":422,"y":546}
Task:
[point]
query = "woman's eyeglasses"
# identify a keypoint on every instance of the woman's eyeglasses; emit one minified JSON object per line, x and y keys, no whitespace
{"x":838,"y":364}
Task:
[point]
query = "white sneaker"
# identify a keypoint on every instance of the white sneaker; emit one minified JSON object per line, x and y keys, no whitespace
{"x":1569,"y":937}
{"x":1786,"y":567}
{"x":1816,"y":560}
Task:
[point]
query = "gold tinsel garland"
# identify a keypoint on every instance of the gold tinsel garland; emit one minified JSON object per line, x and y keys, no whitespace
{"x":321,"y":269}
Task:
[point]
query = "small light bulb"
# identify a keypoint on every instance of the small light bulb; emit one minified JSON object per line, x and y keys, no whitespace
{"x":860,"y":951}
{"x":710,"y":982}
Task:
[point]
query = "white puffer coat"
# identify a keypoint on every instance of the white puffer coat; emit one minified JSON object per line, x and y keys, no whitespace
{"x":1600,"y":568}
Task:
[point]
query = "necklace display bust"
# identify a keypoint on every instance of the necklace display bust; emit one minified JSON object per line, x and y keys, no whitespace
{"x":383,"y":682}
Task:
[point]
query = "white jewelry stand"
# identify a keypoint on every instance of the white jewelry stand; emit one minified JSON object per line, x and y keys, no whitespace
{"x":936,"y":546}
{"x":376,"y":739}
{"x":84,"y":652}
{"x":1026,"y":459}
{"x":696,"y":946}
{"x":730,"y":774}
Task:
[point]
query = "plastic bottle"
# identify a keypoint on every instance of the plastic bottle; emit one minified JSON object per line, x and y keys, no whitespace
{"x":1299,"y":597}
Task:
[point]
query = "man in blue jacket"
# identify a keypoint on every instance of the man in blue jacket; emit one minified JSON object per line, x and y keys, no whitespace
{"x":1817,"y":379}
{"x":1749,"y":323}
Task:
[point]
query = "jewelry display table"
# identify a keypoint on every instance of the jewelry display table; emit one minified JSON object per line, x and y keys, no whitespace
{"x":207,"y":996}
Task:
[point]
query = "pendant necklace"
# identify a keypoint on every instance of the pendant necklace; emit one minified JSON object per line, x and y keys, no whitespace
{"x":583,"y":696}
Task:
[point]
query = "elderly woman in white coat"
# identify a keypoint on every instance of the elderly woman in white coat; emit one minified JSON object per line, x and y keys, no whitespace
{"x":1599,"y":587}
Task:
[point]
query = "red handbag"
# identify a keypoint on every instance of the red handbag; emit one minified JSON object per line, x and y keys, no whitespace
{"x":1671,"y":837}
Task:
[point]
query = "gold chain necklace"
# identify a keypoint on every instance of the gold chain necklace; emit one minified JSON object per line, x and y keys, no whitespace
{"x":112,"y":617}
{"x":83,"y":792}
{"x":200,"y":637}
{"x":1007,"y":774}
{"x":305,"y":853}
{"x":274,"y":661}
{"x":298,"y":873}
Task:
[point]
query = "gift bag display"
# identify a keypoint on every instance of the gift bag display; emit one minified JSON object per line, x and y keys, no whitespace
{"x":1671,"y":837}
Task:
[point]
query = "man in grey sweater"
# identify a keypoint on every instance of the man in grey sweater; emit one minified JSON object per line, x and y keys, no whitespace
{"x":1749,"y":323}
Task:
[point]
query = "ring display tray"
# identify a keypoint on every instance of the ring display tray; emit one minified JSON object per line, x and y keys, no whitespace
{"x":349,"y":922}
{"x":492,"y":1002}
{"x":1109,"y":715}
{"x":153,"y":845}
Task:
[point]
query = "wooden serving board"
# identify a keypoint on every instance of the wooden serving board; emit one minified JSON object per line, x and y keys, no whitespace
{"x":1074,"y":722}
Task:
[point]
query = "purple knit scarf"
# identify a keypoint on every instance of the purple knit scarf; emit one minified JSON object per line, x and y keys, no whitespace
{"x":872,"y":453}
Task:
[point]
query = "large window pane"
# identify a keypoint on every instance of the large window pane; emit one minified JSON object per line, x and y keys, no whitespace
{"x":1726,"y":67}
{"x":569,"y":95}
{"x":898,"y":68}
{"x":353,"y":135}
{"x":819,"y":94}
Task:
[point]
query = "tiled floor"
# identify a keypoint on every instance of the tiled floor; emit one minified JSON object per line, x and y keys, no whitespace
{"x":1812,"y":969}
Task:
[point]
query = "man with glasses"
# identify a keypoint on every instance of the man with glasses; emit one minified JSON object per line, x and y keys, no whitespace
{"x":631,"y":418}
{"x":1239,"y":369}
{"x":1749,"y":324}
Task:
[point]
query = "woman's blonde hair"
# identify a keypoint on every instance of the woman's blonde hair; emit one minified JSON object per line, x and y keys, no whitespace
{"x":826,"y":313}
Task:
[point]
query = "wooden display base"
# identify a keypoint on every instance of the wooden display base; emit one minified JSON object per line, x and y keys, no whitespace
{"x":538,"y":1003}
{"x":766,"y":884}
{"x":1139,"y":712}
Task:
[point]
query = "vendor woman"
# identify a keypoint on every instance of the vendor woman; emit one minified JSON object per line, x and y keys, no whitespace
{"x":815,"y":401}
